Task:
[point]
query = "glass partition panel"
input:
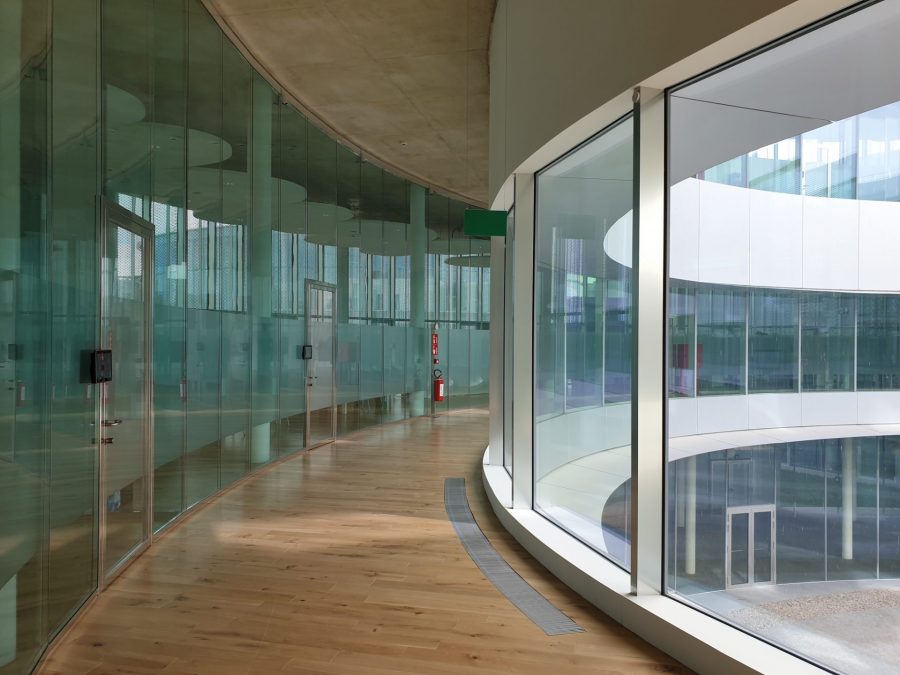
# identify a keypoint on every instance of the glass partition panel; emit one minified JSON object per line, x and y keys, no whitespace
{"x":233,"y":263}
{"x":682,"y":341}
{"x":169,"y":217}
{"x":878,"y":342}
{"x":204,"y":225}
{"x":583,"y":337}
{"x":71,"y":561}
{"x":148,"y":104}
{"x":25,"y":316}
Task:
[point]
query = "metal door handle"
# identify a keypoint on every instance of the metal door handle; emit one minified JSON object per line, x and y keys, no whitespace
{"x":112,"y":423}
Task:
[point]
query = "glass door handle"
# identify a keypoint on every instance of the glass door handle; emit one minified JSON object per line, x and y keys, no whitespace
{"x":112,"y":423}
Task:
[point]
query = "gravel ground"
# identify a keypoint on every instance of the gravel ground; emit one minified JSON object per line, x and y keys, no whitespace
{"x":798,"y":610}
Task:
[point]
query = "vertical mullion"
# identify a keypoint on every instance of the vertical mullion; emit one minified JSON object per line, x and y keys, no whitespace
{"x":523,"y":340}
{"x":648,"y":360}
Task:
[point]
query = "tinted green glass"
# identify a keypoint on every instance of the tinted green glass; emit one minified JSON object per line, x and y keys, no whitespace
{"x":196,"y":143}
{"x":169,"y":218}
{"x":74,"y":255}
{"x":24,"y":329}
{"x":877,"y":353}
{"x":204,"y":189}
{"x":233,"y":274}
{"x":827,"y":352}
{"x":773,"y":341}
{"x":127,"y":66}
{"x":721,"y":336}
{"x":682,"y":346}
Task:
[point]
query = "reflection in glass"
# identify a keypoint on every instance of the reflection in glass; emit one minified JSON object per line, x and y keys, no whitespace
{"x":827,"y":349}
{"x":583,"y":337}
{"x":682,"y":347}
{"x":739,"y":538}
{"x":807,"y":339}
{"x":165,"y":118}
{"x":773,"y":341}
{"x":762,"y":546}
{"x":124,"y":423}
{"x":721,"y":335}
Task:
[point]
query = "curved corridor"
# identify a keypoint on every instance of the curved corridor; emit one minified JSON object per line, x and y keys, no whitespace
{"x":340,"y":560}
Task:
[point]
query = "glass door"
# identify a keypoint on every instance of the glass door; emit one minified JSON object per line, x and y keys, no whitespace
{"x":320,"y":367}
{"x":124,"y":420}
{"x":750,"y":546}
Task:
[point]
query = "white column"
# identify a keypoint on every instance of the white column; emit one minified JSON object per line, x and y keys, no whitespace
{"x":523,"y":343}
{"x":495,"y":369}
{"x":848,"y":501}
{"x":690,"y":520}
{"x":648,"y":378}
{"x":260,"y":443}
{"x":8,"y":622}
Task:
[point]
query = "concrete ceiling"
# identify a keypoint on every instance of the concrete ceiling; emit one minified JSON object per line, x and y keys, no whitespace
{"x":404,"y":81}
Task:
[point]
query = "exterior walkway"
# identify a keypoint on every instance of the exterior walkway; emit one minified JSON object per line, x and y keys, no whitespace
{"x":341,"y":560}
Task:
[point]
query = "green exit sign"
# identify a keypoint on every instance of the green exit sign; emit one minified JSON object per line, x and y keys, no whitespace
{"x":481,"y":223}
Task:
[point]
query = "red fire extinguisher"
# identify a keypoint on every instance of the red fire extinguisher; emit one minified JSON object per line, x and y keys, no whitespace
{"x":438,"y":385}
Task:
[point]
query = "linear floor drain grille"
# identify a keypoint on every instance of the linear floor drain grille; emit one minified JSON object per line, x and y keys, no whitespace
{"x":531,"y":603}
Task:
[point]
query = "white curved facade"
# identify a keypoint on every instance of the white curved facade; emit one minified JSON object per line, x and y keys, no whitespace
{"x":722,"y":234}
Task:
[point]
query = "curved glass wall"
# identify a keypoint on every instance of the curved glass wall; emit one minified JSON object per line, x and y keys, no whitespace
{"x":247,"y":201}
{"x":781,"y":357}
{"x":583,"y":333}
{"x":760,"y":340}
{"x":782,"y":232}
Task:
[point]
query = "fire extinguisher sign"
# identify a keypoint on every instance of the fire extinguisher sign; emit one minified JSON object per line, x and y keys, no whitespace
{"x":434,"y":344}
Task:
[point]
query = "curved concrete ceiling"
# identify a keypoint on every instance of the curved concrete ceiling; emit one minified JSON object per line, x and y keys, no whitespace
{"x":404,"y":81}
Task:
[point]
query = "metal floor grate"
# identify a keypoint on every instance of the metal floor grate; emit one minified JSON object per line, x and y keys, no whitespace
{"x":531,"y":603}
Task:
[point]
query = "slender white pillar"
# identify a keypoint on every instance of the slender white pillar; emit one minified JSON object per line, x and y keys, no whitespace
{"x":648,"y":378}
{"x":523,"y":342}
{"x":260,"y":444}
{"x":848,"y":501}
{"x":495,"y":370}
{"x":8,"y":622}
{"x":690,"y":519}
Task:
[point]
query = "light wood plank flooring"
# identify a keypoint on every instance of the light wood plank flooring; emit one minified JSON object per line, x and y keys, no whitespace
{"x":341,"y":560}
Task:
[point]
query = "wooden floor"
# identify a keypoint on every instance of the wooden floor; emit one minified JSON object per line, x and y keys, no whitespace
{"x":341,"y":560}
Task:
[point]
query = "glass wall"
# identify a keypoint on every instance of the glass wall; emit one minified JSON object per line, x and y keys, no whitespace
{"x":792,"y":294}
{"x":583,"y":337}
{"x":247,"y":201}
{"x":820,"y":512}
{"x":783,"y":340}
